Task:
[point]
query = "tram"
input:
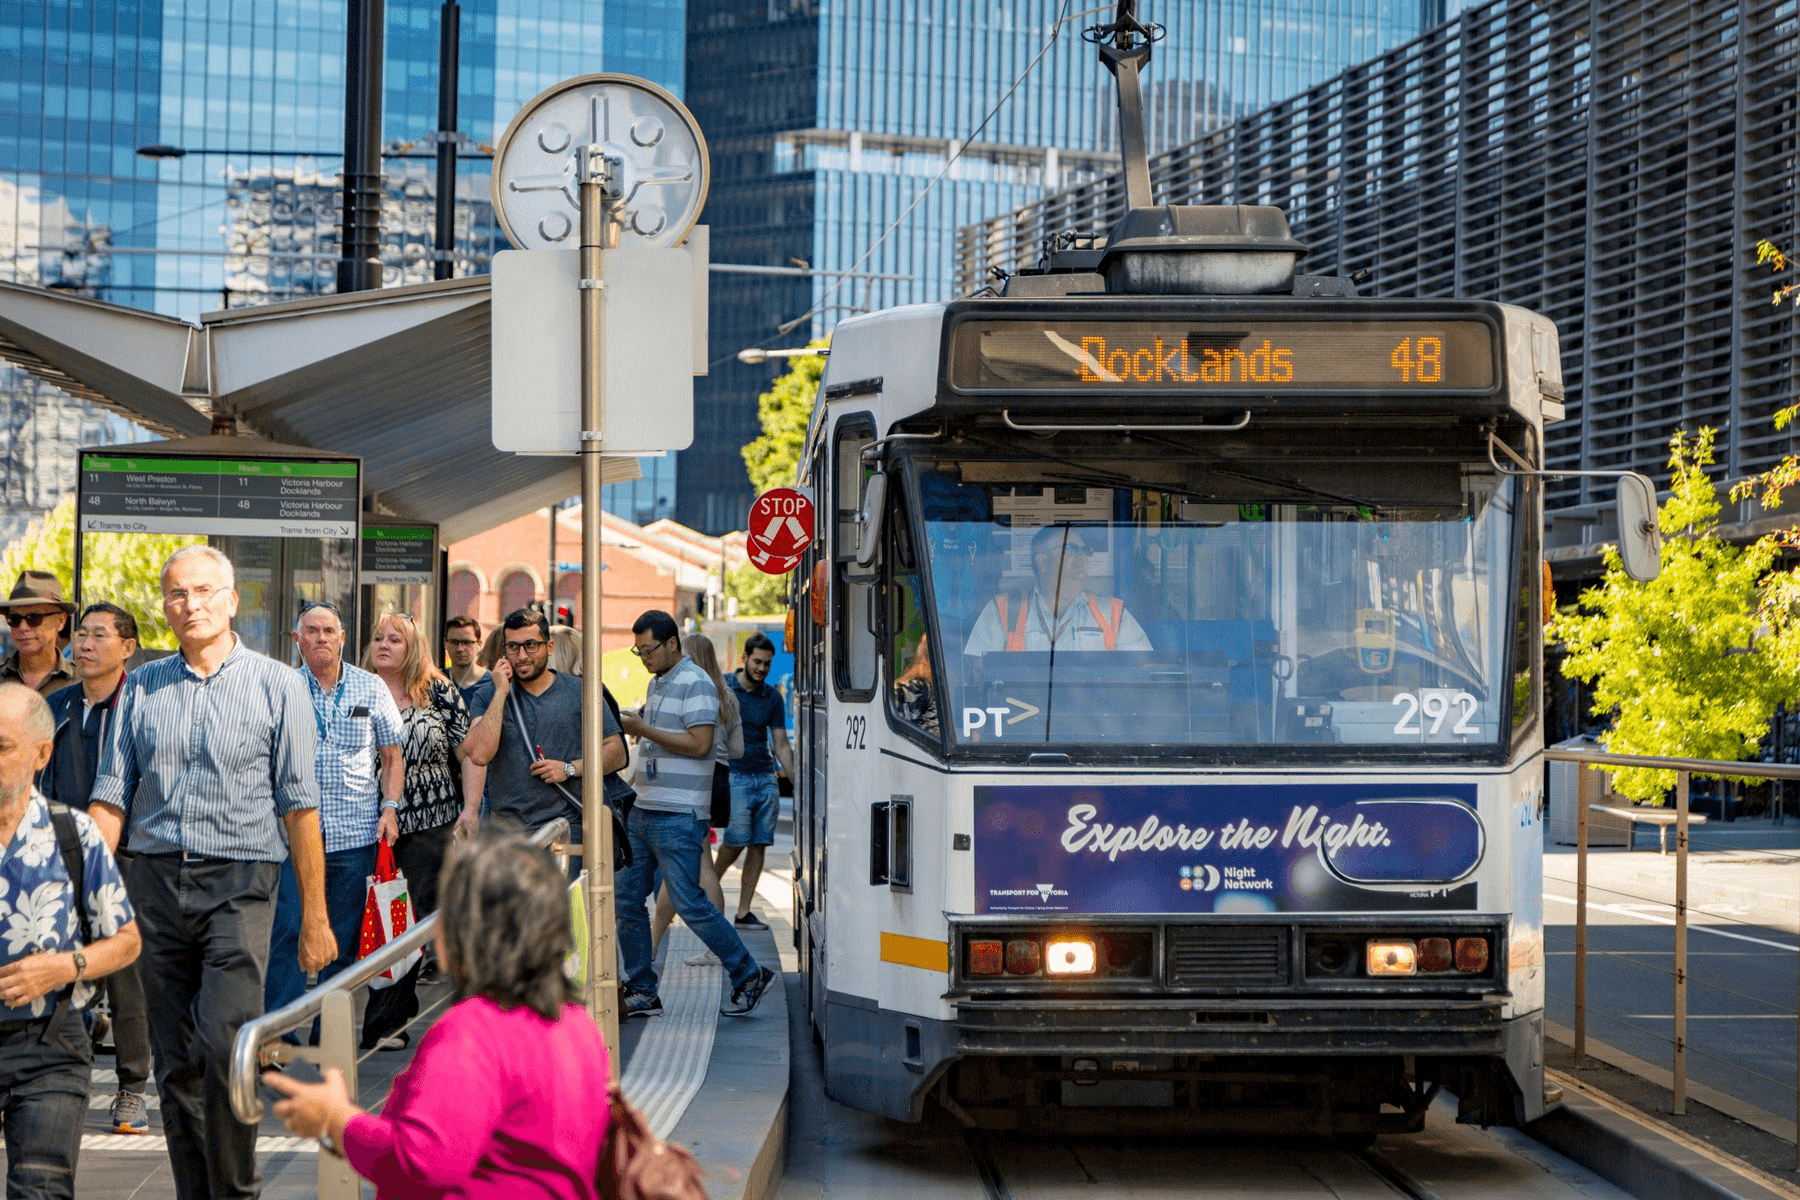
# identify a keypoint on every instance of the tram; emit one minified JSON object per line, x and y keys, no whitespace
{"x":1168,"y":695}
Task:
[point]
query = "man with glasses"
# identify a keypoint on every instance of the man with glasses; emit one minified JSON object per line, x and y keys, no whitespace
{"x":38,"y":618}
{"x":526,"y":729}
{"x":462,"y":641}
{"x":361,"y":779}
{"x":668,"y":823}
{"x":105,"y":639}
{"x":209,"y":764}
{"x":1060,"y":613}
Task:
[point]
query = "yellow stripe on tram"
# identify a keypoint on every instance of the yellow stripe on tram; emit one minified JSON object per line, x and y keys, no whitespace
{"x":927,"y":954}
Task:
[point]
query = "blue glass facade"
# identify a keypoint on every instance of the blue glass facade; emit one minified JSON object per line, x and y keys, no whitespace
{"x":830,"y":118}
{"x":255,"y":93}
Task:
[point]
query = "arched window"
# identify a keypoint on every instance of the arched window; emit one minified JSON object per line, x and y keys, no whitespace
{"x":517,"y":590}
{"x":465,"y":594}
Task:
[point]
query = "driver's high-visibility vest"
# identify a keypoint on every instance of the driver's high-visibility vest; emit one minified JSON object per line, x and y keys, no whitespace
{"x":1015,"y":636}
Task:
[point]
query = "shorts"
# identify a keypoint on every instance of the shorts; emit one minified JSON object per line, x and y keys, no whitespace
{"x":755,"y":801}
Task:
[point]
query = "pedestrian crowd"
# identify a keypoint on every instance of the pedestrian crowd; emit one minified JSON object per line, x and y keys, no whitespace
{"x":193,"y":838}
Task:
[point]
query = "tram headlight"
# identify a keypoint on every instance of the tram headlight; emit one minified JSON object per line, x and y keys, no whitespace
{"x":984,"y":956}
{"x":1394,"y":957}
{"x":1472,"y":954}
{"x":1069,"y":956}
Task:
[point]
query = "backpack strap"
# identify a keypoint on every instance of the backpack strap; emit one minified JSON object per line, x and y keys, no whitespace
{"x":68,"y":840}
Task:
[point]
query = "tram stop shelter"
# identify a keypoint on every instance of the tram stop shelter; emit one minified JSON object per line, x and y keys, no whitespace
{"x":397,"y":380}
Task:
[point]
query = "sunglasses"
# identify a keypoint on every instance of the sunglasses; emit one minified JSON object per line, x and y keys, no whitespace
{"x":32,"y":619}
{"x":308,"y":605}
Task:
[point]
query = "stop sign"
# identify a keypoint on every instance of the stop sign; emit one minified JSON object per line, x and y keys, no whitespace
{"x":781,"y":528}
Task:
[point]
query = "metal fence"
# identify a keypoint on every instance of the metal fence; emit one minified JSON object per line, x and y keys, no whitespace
{"x":1608,"y":164}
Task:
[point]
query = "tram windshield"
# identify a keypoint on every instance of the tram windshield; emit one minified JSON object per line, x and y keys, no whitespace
{"x":1161,"y":606}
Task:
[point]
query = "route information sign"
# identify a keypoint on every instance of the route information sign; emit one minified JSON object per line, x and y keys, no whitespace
{"x":217,"y":496}
{"x":405,"y":554}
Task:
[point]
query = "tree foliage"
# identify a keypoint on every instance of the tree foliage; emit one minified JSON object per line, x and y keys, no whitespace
{"x":121,"y":567}
{"x":758,"y":594}
{"x":1667,"y":659}
{"x":773,"y":459}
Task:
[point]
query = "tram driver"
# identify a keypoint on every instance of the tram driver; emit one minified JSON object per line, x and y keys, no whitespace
{"x":1060,"y":613}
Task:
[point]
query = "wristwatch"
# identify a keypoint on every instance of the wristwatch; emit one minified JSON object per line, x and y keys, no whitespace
{"x":574,"y":768}
{"x":80,"y":963}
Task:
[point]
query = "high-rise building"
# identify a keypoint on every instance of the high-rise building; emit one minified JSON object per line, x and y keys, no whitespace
{"x":246,"y":103}
{"x":830,"y":120}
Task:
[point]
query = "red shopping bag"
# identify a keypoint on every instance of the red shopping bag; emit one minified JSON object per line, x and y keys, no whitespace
{"x":387,"y":913}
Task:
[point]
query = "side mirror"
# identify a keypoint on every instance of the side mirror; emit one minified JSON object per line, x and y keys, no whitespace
{"x":868,"y":522}
{"x":1640,"y":539}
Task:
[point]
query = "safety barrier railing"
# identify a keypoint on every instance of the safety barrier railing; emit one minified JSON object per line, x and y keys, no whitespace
{"x":1586,"y":800}
{"x":333,"y":1004}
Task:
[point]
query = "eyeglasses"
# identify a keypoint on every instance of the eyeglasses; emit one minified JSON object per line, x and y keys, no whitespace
{"x":1070,"y":548}
{"x":462,"y":641}
{"x":530,"y":647}
{"x":33,"y":619}
{"x":190,"y":597}
{"x":643,"y":652}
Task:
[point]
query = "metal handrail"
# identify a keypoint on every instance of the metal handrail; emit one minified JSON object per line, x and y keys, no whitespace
{"x":1693,"y":766}
{"x":253,"y":1035}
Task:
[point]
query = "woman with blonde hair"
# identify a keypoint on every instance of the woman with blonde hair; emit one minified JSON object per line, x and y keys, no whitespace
{"x":728,"y":743}
{"x":442,"y":787}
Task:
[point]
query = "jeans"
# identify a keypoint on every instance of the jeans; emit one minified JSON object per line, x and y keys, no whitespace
{"x":45,"y":1074}
{"x":346,"y":895}
{"x":673,"y":842}
{"x":205,"y":924}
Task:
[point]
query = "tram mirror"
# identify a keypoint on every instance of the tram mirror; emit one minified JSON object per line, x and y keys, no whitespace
{"x":868,"y":521}
{"x":1640,"y":539}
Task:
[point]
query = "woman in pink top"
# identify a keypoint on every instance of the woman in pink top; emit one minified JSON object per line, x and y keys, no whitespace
{"x":507,"y":1096}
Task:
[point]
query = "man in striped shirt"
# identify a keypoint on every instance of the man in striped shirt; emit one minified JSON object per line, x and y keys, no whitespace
{"x":211,"y":756}
{"x":668,"y":823}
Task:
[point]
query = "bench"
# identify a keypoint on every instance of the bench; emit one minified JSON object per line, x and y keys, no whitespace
{"x":1662,"y":818}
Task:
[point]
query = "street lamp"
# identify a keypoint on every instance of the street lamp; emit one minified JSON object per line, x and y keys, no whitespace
{"x":756,"y":354}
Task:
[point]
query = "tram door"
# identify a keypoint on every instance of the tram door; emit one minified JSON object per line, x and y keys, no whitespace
{"x":810,"y":599}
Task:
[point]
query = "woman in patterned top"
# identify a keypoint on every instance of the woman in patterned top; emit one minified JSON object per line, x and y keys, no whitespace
{"x":442,"y":795}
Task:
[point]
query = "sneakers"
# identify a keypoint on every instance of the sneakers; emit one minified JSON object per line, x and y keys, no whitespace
{"x":642,"y":1004}
{"x":750,"y":920}
{"x":129,"y":1114}
{"x":706,"y":958}
{"x":746,"y":996}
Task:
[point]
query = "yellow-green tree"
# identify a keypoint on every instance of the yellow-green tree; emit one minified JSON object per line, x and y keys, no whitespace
{"x":773,"y":459}
{"x":120,"y":567}
{"x":758,"y":594}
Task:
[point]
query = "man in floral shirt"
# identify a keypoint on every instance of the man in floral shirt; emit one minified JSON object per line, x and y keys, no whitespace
{"x":46,"y":972}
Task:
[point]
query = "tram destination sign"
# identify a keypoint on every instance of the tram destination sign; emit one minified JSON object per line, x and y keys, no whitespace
{"x":248,"y":497}
{"x":1254,"y":356}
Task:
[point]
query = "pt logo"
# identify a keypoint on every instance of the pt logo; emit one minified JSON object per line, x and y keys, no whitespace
{"x":1203,"y":878}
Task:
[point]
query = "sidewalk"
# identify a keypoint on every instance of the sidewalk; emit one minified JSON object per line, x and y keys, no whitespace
{"x":1746,"y":869}
{"x":717,"y":1085}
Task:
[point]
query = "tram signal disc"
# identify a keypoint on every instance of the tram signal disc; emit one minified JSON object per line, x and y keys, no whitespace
{"x":780,"y":530}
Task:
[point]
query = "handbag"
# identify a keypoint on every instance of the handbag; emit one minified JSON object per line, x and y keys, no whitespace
{"x":721,"y":797}
{"x":635,"y":1164}
{"x":387,"y":913}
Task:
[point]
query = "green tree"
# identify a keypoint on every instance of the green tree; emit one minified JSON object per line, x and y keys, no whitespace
{"x":121,"y":567}
{"x":1666,"y":659}
{"x":773,"y":460}
{"x":758,"y":594}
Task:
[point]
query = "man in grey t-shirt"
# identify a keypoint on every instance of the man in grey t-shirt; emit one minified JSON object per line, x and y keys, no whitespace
{"x":668,"y":823}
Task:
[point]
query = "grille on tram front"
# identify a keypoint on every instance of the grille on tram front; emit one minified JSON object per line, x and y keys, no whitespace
{"x":1228,"y":957}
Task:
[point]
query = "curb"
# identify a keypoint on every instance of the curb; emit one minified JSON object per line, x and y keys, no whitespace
{"x":737,"y":1125}
{"x":1641,"y":1157}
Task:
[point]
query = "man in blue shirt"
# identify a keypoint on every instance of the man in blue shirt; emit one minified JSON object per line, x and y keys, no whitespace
{"x":209,"y":764}
{"x":361,"y":781}
{"x":48,"y":959}
{"x":755,"y":798}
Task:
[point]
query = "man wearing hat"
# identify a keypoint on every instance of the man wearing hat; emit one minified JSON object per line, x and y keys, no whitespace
{"x":39,"y":620}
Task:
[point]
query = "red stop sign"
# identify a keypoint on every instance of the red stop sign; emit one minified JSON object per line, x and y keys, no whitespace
{"x":780,"y":530}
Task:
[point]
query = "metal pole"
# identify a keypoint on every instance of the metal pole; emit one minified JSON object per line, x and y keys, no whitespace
{"x":550,"y":567}
{"x":599,"y":192}
{"x":359,"y":264}
{"x":337,"y":1048}
{"x":449,"y":53}
{"x":1679,"y":1105}
{"x":1583,"y":789}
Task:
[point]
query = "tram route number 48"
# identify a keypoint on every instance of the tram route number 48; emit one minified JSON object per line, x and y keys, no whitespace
{"x":1427,"y":711}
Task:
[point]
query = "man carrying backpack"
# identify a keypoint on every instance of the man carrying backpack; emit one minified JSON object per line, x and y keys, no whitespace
{"x":68,"y":923}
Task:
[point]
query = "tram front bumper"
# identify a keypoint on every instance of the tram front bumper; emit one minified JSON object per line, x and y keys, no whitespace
{"x":1316,"y":1025}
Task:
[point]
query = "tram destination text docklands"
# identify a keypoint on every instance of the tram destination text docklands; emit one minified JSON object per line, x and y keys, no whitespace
{"x":252,"y":497}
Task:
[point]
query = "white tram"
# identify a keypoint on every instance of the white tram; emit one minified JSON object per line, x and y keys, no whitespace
{"x":1168,"y":679}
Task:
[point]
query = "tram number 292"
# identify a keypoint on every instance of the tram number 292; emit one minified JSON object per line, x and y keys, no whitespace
{"x":1426,"y":712}
{"x":856,"y":731}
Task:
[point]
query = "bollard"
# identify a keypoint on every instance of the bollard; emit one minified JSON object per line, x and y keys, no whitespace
{"x":1679,"y":1099}
{"x":1583,"y":784}
{"x":337,"y":1048}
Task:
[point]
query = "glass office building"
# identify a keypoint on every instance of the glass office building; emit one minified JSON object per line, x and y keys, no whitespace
{"x":830,"y":119}
{"x":254,"y":95}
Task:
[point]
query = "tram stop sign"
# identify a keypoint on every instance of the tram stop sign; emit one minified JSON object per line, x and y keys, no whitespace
{"x":781,"y":529}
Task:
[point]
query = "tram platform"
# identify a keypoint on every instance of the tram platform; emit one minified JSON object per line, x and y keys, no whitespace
{"x":715,"y":1084}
